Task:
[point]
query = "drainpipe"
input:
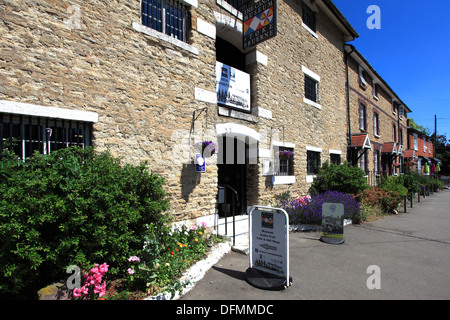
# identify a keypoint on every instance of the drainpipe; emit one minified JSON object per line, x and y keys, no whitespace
{"x":348,"y":100}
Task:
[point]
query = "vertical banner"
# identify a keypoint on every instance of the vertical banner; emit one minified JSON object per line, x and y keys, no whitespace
{"x":260,"y":23}
{"x":333,"y":223}
{"x":269,"y":248}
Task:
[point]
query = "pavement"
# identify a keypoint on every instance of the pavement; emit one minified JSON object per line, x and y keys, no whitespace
{"x":407,"y":254}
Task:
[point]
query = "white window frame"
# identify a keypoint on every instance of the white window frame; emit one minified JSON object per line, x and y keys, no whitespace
{"x":314,"y":76}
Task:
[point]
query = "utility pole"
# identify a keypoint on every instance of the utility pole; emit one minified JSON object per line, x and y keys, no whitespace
{"x":435,"y":136}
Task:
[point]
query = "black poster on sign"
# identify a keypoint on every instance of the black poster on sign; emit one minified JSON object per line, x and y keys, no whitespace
{"x":260,"y":23}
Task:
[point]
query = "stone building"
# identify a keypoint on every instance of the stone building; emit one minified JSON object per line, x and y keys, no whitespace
{"x":378,"y":120}
{"x":151,"y":80}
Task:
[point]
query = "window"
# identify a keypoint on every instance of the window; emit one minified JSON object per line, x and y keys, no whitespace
{"x":400,"y":137}
{"x":313,"y":162}
{"x":374,"y":91}
{"x":376,"y":125}
{"x":309,"y":17}
{"x":286,"y":162}
{"x":394,"y":133}
{"x":376,"y":161}
{"x":26,"y":134}
{"x":238,"y":4}
{"x":335,"y":158}
{"x":416,"y":144}
{"x":362,"y":117}
{"x":363,"y":161}
{"x":167,"y":16}
{"x":310,"y":89}
{"x":362,"y":80}
{"x":400,"y":111}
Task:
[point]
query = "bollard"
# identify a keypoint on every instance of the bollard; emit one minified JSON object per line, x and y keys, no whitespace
{"x":412,"y":200}
{"x":405,"y":198}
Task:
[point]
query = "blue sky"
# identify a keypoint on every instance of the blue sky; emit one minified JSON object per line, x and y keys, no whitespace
{"x":411,"y":51}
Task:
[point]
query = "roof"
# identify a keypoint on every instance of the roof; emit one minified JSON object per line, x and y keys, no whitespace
{"x":339,"y":19}
{"x":389,"y":147}
{"x":410,"y":153}
{"x":361,"y":141}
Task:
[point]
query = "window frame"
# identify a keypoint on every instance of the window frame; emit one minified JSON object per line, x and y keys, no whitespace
{"x":362,"y":116}
{"x":308,"y":87}
{"x":376,"y":124}
{"x":312,"y":162}
{"x":162,"y":25}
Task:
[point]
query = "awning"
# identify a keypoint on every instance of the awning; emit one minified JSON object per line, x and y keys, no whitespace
{"x":437,"y":161}
{"x":361,"y":141}
{"x":426,"y":159}
{"x":389,"y":147}
{"x":410,"y":153}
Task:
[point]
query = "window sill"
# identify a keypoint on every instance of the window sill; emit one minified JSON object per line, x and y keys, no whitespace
{"x":164,"y":37}
{"x":312,"y":103}
{"x":310,"y":30}
{"x":376,"y":135}
{"x":310,"y":178}
{"x":283,"y":180}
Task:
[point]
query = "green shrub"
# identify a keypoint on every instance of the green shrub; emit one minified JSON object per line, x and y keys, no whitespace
{"x":344,"y":178}
{"x":394,"y":184}
{"x":71,"y":207}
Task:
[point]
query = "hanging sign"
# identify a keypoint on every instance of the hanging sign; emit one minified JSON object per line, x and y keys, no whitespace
{"x":269,"y":248}
{"x":333,"y":223}
{"x":200,"y":163}
{"x":260,"y":23}
{"x":232,"y":87}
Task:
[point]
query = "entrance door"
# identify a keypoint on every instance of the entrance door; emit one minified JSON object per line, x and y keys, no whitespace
{"x":232,"y":166}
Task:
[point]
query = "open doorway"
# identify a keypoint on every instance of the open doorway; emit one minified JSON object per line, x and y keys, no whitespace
{"x":232,"y":174}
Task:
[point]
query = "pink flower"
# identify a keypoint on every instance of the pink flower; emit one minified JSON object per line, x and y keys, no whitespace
{"x":130,"y":271}
{"x":76,"y":293}
{"x":103,"y":268}
{"x":134,"y":258}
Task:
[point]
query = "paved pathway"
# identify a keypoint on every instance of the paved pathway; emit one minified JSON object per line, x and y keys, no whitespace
{"x":412,"y":251}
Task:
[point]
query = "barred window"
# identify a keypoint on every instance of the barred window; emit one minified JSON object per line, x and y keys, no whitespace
{"x":309,"y":17}
{"x":313,"y":162}
{"x":310,"y":89}
{"x":26,"y":134}
{"x":167,"y":16}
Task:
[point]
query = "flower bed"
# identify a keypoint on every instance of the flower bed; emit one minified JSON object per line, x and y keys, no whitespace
{"x":308,"y":210}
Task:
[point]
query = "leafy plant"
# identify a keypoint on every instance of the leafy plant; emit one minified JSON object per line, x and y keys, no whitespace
{"x":344,"y":178}
{"x":72,"y":207}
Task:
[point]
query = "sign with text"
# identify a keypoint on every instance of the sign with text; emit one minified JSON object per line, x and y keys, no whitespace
{"x":260,"y":23}
{"x":269,"y":234}
{"x":333,"y":222}
{"x":232,"y":87}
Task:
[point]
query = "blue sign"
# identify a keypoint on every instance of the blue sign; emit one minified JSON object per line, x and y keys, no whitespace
{"x":200,"y":164}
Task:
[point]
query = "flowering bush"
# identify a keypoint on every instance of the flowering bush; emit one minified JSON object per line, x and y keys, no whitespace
{"x":168,"y":252}
{"x":93,"y":287}
{"x":207,"y":148}
{"x":308,"y":210}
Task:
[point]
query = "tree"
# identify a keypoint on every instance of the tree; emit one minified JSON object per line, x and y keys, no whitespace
{"x":442,"y":147}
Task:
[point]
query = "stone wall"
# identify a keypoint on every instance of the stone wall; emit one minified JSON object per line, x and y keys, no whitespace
{"x":146,"y":89}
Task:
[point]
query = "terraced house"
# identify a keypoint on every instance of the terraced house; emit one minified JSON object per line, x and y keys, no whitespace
{"x":265,"y":82}
{"x":378,"y":120}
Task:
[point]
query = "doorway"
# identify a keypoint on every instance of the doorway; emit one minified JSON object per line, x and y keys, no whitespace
{"x":232,"y":174}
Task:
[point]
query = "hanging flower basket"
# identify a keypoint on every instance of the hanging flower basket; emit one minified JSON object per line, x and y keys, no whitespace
{"x":286,"y":154}
{"x":206,"y":148}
